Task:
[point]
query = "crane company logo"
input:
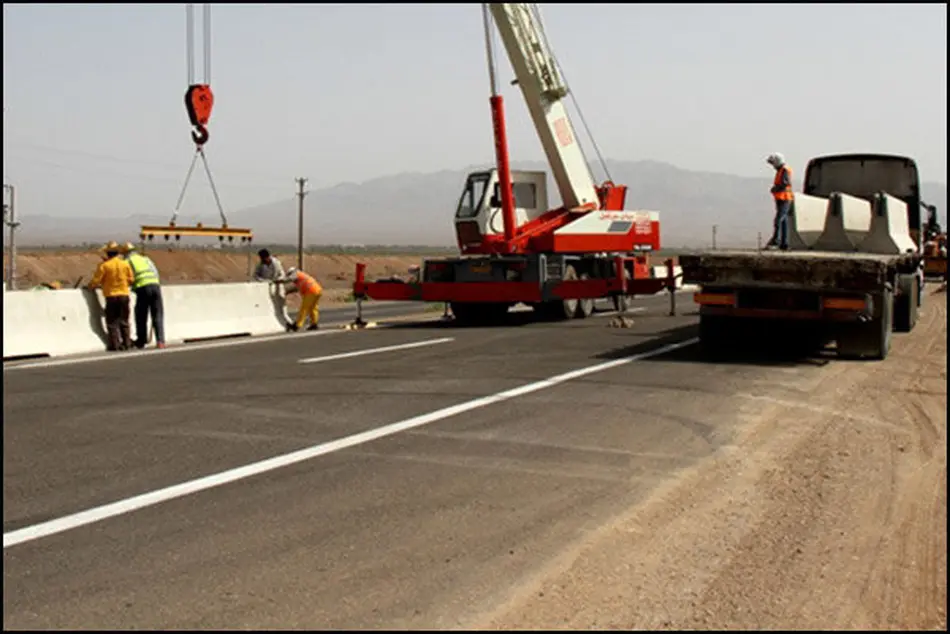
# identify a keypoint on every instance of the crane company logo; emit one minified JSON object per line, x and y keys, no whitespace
{"x":563,"y":132}
{"x":643,"y":224}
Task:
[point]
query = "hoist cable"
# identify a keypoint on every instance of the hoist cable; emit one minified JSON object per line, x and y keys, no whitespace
{"x":190,"y":42}
{"x":214,"y":190}
{"x":207,"y":43}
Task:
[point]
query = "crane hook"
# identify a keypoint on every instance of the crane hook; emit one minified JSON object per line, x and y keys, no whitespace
{"x":200,"y":135}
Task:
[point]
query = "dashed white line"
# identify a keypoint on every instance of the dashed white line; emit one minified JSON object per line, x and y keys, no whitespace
{"x":128,"y":505}
{"x":360,"y":353}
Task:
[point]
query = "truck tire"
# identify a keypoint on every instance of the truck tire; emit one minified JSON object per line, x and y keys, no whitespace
{"x":585,"y":307}
{"x":872,"y":339}
{"x":906,"y":304}
{"x":560,"y":309}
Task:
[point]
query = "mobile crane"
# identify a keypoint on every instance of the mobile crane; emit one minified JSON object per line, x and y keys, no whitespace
{"x":514,"y":249}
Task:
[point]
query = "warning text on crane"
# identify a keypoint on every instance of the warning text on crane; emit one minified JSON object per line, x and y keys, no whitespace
{"x":563,"y":132}
{"x":642,"y":222}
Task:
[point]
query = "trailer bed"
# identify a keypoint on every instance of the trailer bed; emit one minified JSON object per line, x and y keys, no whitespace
{"x":818,"y":270}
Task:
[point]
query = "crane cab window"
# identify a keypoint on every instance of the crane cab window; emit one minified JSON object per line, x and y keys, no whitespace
{"x":526,"y":195}
{"x":472,"y":196}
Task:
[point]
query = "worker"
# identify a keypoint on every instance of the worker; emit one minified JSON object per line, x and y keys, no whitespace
{"x":148,"y":297}
{"x":782,"y":193}
{"x":310,"y":294}
{"x":269,"y":268}
{"x":114,"y":276}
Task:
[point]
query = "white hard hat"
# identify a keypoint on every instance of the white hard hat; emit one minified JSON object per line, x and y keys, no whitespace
{"x":775,"y":158}
{"x":291,"y":271}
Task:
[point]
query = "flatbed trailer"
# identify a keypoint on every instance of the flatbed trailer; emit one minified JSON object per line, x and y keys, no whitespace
{"x":856,"y":299}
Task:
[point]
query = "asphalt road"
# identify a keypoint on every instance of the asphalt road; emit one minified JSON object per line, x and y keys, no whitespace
{"x":433,"y":526}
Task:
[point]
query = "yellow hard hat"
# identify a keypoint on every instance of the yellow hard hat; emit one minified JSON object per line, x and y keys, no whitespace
{"x":129,"y":247}
{"x":112,"y":245}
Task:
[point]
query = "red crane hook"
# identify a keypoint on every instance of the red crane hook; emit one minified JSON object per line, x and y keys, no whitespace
{"x":199,"y":101}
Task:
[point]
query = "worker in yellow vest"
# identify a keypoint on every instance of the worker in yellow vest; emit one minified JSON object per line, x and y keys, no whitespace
{"x":782,"y":194}
{"x":114,"y":276}
{"x":310,"y":294}
{"x":148,"y":297}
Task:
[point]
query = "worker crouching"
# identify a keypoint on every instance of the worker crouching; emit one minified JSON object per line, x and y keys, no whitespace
{"x":114,"y":276}
{"x":310,"y":294}
{"x":148,"y":297}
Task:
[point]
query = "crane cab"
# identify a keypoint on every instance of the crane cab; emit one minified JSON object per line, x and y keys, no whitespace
{"x":479,"y":210}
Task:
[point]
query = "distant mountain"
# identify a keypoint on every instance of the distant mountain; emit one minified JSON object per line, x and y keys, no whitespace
{"x":414,"y":208}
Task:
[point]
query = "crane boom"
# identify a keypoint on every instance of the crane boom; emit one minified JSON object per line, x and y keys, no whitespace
{"x":544,"y":89}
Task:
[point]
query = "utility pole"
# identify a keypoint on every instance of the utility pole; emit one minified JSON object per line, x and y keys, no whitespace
{"x":9,"y":219}
{"x":715,"y":228}
{"x":300,"y":194}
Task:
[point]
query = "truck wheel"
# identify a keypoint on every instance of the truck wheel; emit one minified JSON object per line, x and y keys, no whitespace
{"x":869,"y":340}
{"x":560,"y":309}
{"x":906,"y":304}
{"x":585,"y":307}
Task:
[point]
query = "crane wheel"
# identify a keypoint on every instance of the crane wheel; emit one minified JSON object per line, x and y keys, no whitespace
{"x":585,"y":307}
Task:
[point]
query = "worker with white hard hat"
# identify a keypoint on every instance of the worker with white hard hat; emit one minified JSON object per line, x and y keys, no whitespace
{"x":310,"y":294}
{"x":782,"y":194}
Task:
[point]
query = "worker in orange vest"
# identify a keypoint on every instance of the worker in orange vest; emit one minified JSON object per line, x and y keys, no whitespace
{"x":782,"y":193}
{"x":310,"y":294}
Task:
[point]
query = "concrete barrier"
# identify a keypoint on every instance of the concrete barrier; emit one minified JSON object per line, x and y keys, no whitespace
{"x":660,"y":271}
{"x":847,"y":223}
{"x":72,"y":321}
{"x":52,"y":323}
{"x":806,"y":221}
{"x":203,"y":311}
{"x":890,"y":227}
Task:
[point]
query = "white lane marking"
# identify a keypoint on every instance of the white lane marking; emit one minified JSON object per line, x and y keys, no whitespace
{"x":114,"y":509}
{"x":360,"y":353}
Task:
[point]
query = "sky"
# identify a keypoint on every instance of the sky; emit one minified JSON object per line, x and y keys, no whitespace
{"x":95,"y":124}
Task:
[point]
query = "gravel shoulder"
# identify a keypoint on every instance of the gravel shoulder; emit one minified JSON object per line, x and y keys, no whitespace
{"x":827,"y":511}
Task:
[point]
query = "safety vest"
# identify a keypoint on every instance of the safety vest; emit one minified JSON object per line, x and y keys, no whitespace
{"x":306,"y":285}
{"x":784,"y":194}
{"x":144,"y":270}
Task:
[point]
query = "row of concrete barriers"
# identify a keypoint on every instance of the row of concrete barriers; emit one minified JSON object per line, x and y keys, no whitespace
{"x":845,"y":223}
{"x":72,"y":321}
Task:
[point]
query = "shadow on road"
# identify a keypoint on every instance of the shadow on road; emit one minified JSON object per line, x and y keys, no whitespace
{"x":776,"y":351}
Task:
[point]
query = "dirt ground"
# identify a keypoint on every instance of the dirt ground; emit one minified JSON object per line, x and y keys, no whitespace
{"x":334,"y":272}
{"x":828,"y":512}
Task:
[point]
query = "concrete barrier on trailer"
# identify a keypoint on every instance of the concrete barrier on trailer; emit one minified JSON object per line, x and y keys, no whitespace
{"x":206,"y":311}
{"x":52,"y":323}
{"x":890,"y":227}
{"x":660,"y":272}
{"x":806,"y":221}
{"x":847,"y":223}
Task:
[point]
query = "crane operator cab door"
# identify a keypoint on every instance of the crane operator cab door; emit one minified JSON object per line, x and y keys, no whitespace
{"x":479,"y":210}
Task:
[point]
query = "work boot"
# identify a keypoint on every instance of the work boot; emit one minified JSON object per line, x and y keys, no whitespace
{"x":291,"y":327}
{"x":313,"y":327}
{"x":160,"y":346}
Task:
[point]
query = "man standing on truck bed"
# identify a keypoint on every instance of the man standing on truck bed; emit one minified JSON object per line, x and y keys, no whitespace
{"x":782,"y":193}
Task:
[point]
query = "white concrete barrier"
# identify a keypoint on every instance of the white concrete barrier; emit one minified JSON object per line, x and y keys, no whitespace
{"x":806,"y":221}
{"x":847,"y":223}
{"x":202,"y":311}
{"x":72,"y":321}
{"x":660,"y":272}
{"x":52,"y":323}
{"x":890,"y":227}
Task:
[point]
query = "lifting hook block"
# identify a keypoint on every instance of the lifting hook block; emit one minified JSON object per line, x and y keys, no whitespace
{"x":200,"y":135}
